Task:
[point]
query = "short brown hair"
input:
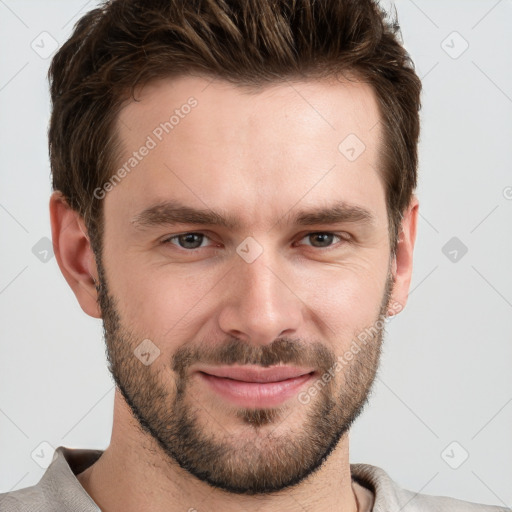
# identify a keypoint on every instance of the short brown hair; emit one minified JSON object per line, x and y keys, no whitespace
{"x":124,"y":43}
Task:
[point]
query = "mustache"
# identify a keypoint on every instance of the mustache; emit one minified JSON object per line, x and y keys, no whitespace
{"x":234,"y":351}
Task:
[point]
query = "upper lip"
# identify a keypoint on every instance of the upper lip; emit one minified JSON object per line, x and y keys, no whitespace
{"x":256,"y":373}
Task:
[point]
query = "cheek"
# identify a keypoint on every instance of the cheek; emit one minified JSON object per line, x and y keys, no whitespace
{"x":163,"y":300}
{"x":345,"y":296}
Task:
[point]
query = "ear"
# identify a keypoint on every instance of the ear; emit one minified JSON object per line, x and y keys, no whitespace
{"x":74,"y":254}
{"x":403,"y":260}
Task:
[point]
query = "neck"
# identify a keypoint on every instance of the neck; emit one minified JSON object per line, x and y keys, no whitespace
{"x":134,"y":474}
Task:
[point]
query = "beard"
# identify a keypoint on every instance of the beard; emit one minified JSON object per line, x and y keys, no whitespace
{"x":260,"y":461}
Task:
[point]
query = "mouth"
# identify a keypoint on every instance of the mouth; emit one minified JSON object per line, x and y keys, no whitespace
{"x":254,"y":386}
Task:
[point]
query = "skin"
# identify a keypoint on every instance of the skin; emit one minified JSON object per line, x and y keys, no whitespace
{"x":258,"y":157}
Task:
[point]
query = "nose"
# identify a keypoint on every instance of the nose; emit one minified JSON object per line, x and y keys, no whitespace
{"x":260,"y":303}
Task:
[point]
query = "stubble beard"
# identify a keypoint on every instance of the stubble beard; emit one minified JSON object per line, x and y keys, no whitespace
{"x":266,"y":461}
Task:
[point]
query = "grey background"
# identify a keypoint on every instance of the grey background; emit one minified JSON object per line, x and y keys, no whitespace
{"x":445,"y":373}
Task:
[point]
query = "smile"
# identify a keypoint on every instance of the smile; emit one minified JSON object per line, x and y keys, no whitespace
{"x":255,"y":386}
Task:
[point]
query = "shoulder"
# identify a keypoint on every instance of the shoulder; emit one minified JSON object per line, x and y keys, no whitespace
{"x":58,"y":489}
{"x":427,"y":503}
{"x":29,"y":499}
{"x":390,"y":497}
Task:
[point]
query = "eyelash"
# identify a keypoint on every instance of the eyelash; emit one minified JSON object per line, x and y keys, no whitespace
{"x":345,"y":238}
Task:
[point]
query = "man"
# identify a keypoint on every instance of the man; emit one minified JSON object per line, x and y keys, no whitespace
{"x":234,"y":197}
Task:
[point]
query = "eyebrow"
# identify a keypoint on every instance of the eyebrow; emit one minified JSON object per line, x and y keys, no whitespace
{"x":173,"y":212}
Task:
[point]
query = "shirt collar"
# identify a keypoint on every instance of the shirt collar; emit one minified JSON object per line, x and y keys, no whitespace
{"x":60,"y":477}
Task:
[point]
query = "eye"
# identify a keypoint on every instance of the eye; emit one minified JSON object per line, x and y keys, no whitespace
{"x":187,"y":240}
{"x":194,"y":240}
{"x":324,"y":240}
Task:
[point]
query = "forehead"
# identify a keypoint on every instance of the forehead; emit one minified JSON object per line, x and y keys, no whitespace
{"x":210,"y":143}
{"x":330,"y":103}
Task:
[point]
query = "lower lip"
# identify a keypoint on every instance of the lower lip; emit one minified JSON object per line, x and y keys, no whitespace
{"x":255,"y":394}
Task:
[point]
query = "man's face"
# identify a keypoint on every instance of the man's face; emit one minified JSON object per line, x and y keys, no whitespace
{"x":275,"y":291}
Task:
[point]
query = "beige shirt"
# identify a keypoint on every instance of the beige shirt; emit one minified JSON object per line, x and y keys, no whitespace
{"x":60,"y":491}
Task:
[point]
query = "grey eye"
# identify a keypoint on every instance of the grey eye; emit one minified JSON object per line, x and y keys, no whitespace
{"x":187,"y":240}
{"x":321,"y":239}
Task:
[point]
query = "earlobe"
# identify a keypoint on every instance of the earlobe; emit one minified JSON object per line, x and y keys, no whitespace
{"x":74,"y":254}
{"x":402,"y":265}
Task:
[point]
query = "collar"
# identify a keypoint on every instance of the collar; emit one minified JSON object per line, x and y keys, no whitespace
{"x":60,"y":477}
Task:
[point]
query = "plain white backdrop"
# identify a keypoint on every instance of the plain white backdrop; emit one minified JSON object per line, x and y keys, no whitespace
{"x":440,"y":417}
